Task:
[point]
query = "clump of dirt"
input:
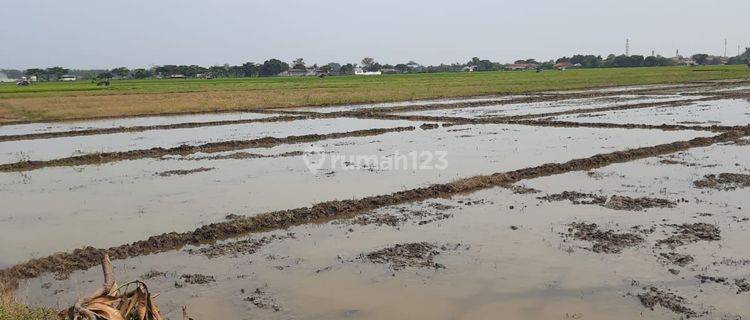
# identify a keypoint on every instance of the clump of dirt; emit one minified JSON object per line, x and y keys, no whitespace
{"x":197,"y":278}
{"x":380,"y":219}
{"x":245,"y":155}
{"x":654,"y":296}
{"x":681,"y":260}
{"x":248,"y":246}
{"x":429,"y":126}
{"x":637,"y":204}
{"x":691,"y":232}
{"x":521,"y":189}
{"x":402,"y":215}
{"x":604,"y":241}
{"x":724,"y":181}
{"x":409,"y":255}
{"x":576,"y":198}
{"x":742,"y":285}
{"x":705,"y":278}
{"x":182,"y":172}
{"x":151,"y":274}
{"x":261,"y":300}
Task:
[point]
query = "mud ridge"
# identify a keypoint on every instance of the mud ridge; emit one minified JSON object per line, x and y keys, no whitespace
{"x":85,"y":258}
{"x":103,"y":131}
{"x":267,"y":142}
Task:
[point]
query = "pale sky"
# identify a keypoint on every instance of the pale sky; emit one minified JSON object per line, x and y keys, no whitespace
{"x":141,"y":33}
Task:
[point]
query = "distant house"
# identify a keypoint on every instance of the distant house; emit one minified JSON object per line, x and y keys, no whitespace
{"x":309,"y":72}
{"x":67,"y":77}
{"x":469,"y":68}
{"x":177,"y":76}
{"x":415,"y":67}
{"x":682,"y":61}
{"x":563,"y":65}
{"x":361,"y":72}
{"x":521,"y":66}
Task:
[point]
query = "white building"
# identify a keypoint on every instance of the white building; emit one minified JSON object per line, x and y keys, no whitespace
{"x":361,"y":72}
{"x":67,"y":77}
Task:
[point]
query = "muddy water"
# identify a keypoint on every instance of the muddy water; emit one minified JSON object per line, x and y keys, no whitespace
{"x":630,"y":88}
{"x":732,"y":112}
{"x":47,"y":149}
{"x":504,"y":256}
{"x":376,"y":106}
{"x":125,"y":122}
{"x":102,"y":205}
{"x":547,"y":107}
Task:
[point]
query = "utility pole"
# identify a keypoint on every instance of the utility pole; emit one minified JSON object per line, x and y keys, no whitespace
{"x":725,"y":47}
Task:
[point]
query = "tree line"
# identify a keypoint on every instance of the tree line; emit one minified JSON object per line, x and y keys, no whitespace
{"x":274,"y":67}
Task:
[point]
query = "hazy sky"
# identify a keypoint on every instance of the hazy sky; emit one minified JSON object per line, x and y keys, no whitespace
{"x":141,"y":33}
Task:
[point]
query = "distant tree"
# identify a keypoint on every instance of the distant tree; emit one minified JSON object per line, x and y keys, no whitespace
{"x":104,"y":75}
{"x":219,"y":71}
{"x":121,"y":72}
{"x":299,"y":64}
{"x":36,"y":72}
{"x":273,"y":67}
{"x":141,"y":73}
{"x":57,"y":72}
{"x":650,"y":61}
{"x":369,"y":64}
{"x":347,"y":69}
{"x":700,"y":58}
{"x":403,"y":68}
{"x":333,"y":68}
{"x":482,"y":65}
{"x":250,"y":69}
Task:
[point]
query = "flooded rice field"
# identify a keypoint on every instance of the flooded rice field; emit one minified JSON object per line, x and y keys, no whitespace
{"x":540,"y":108}
{"x":366,"y":216}
{"x":734,"y":112}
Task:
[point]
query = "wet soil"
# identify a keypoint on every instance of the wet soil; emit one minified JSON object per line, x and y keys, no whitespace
{"x":604,"y":241}
{"x":84,"y":258}
{"x":637,"y":204}
{"x":197,"y":278}
{"x":248,"y":246}
{"x":681,"y":260}
{"x":614,"y":202}
{"x":691,"y":232}
{"x":408,"y":255}
{"x":182,"y":172}
{"x":653,"y":297}
{"x":575,"y":198}
{"x":429,"y":126}
{"x":724,"y":181}
{"x":267,"y":142}
{"x":260,"y":299}
{"x":244,"y":155}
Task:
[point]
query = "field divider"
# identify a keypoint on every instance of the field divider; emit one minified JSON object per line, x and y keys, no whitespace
{"x":84,"y":258}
